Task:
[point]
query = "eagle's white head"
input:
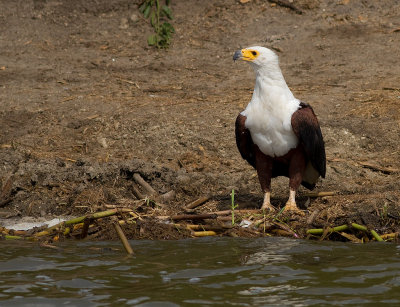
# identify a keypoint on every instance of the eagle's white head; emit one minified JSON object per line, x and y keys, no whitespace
{"x":256,"y":55}
{"x":263,"y":60}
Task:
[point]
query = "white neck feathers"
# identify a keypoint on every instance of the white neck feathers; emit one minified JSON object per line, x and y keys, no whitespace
{"x":270,"y":110}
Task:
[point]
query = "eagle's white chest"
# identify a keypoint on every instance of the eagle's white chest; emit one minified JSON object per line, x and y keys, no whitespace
{"x":269,"y":117}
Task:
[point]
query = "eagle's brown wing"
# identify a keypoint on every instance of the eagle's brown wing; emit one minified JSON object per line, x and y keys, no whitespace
{"x":306,"y":127}
{"x":243,"y":140}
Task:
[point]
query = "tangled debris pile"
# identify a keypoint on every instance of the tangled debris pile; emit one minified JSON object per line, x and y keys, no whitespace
{"x":144,"y":219}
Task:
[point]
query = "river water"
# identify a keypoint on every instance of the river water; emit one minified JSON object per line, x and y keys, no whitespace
{"x":200,"y":272}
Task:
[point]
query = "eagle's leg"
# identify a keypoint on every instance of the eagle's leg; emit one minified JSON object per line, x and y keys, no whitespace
{"x":264,"y":172}
{"x":291,"y":203}
{"x":297,"y":167}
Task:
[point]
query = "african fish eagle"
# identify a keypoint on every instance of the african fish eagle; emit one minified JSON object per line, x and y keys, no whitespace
{"x":278,"y":134}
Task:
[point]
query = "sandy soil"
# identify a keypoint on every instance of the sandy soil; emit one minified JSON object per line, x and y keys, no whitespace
{"x":85,"y":104}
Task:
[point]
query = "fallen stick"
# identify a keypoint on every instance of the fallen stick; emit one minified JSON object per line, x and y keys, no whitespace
{"x":136,"y":192}
{"x":239,"y":211}
{"x":203,"y":227}
{"x":373,"y":232}
{"x":281,"y":232}
{"x":286,"y":228}
{"x":122,"y":237}
{"x":288,"y":5}
{"x":320,"y":231}
{"x":80,"y":219}
{"x":194,"y":216}
{"x":391,"y":88}
{"x":319,"y":194}
{"x":168,"y":196}
{"x":198,"y":202}
{"x":147,"y":187}
{"x":224,"y":218}
{"x":204,"y":233}
{"x":9,"y":237}
{"x":350,"y":237}
{"x":385,"y":170}
{"x":376,"y":236}
{"x":5,"y":202}
{"x":312,"y":216}
{"x":390,"y":236}
{"x":359,"y":227}
{"x":85,"y":228}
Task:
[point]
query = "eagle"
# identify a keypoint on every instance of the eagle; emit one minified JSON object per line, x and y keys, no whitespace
{"x":278,"y":134}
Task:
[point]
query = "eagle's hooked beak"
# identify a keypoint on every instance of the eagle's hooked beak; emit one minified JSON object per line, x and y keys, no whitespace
{"x":246,"y":54}
{"x":238,"y":55}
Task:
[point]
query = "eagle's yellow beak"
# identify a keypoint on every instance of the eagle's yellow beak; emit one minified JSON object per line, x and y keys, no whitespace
{"x":246,"y":55}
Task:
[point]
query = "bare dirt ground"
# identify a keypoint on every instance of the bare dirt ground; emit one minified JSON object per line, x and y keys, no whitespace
{"x":85,"y":104}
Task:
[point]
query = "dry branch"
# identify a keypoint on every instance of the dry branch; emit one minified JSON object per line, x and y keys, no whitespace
{"x":81,"y":219}
{"x":320,"y":231}
{"x":197,"y":202}
{"x":166,"y":197}
{"x":385,"y":170}
{"x":319,"y":194}
{"x":147,"y":187}
{"x":285,"y":228}
{"x":122,"y":236}
{"x":136,"y":192}
{"x":287,"y":4}
{"x":238,"y":211}
{"x":202,"y":216}
{"x":204,"y":233}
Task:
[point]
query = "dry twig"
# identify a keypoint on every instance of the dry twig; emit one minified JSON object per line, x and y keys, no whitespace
{"x":287,"y":4}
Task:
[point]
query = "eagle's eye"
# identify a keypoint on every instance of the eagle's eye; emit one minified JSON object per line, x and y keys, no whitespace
{"x":254,"y":53}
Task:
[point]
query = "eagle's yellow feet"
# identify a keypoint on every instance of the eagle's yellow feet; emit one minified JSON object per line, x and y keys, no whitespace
{"x":292,"y":207}
{"x":267,"y":203}
{"x":268,"y":207}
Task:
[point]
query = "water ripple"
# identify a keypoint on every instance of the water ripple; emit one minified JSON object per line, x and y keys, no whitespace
{"x":243,"y":272}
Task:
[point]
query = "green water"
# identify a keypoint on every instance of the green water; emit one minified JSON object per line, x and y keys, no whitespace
{"x":201,"y":272}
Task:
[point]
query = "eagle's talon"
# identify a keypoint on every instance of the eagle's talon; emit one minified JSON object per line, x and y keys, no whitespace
{"x":268,"y":207}
{"x":292,"y":207}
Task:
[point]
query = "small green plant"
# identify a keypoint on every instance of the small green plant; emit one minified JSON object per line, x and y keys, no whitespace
{"x":158,"y":14}
{"x":233,"y":206}
{"x":384,"y":213}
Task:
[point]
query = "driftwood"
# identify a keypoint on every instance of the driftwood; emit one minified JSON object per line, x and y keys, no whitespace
{"x":122,"y":236}
{"x":326,"y":231}
{"x":5,"y":193}
{"x":166,"y":197}
{"x":147,"y":187}
{"x":198,"y":202}
{"x":204,"y":233}
{"x":287,"y":4}
{"x":319,"y":194}
{"x":137,"y":192}
{"x":194,"y":216}
{"x":385,"y":170}
{"x":366,"y":164}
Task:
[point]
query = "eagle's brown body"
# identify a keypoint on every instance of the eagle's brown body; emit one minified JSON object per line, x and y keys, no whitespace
{"x":278,"y":134}
{"x":303,"y":164}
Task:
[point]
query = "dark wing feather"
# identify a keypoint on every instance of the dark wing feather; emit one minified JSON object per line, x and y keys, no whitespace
{"x":243,"y":140}
{"x":306,"y":127}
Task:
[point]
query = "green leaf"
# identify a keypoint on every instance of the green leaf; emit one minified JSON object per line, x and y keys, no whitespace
{"x":167,"y":11}
{"x":143,"y":7}
{"x":152,"y":39}
{"x":153,"y":19}
{"x":146,"y":12}
{"x":167,"y":28}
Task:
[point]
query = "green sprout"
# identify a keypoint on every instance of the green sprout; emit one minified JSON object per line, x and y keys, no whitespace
{"x":158,"y":14}
{"x":233,"y":206}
